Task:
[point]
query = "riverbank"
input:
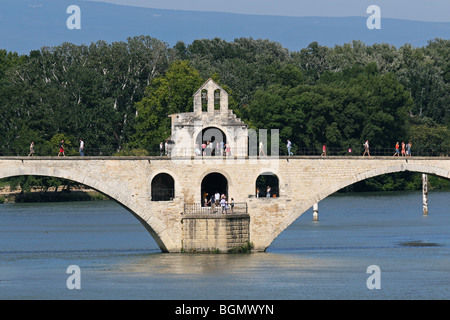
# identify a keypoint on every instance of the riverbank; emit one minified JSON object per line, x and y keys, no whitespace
{"x":60,"y":194}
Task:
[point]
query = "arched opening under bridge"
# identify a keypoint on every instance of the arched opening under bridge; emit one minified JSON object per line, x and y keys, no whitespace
{"x":73,"y":217}
{"x":212,"y":184}
{"x":374,"y":212}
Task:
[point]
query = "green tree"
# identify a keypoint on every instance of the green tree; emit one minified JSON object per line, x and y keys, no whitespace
{"x":166,"y":95}
{"x":342,"y":110}
{"x":428,"y":138}
{"x":85,"y":91}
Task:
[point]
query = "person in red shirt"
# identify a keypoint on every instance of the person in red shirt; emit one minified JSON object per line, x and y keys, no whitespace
{"x":61,"y":148}
{"x":324,"y":151}
{"x":397,"y":150}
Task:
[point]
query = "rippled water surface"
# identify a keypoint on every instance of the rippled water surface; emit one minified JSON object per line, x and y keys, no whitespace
{"x":327,"y":259}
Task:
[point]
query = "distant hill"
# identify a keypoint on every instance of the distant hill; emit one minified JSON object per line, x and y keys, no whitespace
{"x":30,"y":24}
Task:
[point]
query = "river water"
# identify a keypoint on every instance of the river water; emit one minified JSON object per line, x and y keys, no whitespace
{"x":327,"y":259}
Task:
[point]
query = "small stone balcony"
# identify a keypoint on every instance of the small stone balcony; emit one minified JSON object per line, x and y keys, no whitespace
{"x":195,"y":209}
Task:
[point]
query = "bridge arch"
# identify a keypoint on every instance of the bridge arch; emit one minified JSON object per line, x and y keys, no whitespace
{"x":215,"y":170}
{"x":387,"y":170}
{"x":93,"y":178}
{"x":290,"y":217}
{"x":173,"y":175}
{"x":163,"y":187}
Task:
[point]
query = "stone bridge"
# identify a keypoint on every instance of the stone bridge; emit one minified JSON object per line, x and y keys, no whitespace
{"x":156,"y":189}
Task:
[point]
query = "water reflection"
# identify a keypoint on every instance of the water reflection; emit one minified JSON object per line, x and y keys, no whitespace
{"x":217,"y":264}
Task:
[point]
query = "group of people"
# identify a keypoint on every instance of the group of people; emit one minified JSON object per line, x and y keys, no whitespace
{"x":209,"y":149}
{"x":62,"y":148}
{"x":165,"y":149}
{"x":406,"y":149}
{"x":268,"y":192}
{"x":217,"y":200}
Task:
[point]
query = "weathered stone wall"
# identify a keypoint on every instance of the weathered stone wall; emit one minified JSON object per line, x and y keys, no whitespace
{"x":238,"y":230}
{"x":215,"y":232}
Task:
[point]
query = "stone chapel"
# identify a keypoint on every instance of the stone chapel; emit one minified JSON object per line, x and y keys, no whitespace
{"x":211,"y":125}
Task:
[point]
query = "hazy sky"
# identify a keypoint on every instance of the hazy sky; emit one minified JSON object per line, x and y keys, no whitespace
{"x":423,"y":10}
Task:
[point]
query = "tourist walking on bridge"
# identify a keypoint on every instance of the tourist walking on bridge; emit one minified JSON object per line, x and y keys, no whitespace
{"x":397,"y":150}
{"x":81,"y":149}
{"x":366,"y":148}
{"x":289,"y":146}
{"x":61,"y":148}
{"x":324,"y":151}
{"x":31,"y":149}
{"x":403,"y":149}
{"x":408,"y":149}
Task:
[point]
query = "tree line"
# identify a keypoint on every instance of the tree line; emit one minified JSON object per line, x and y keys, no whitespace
{"x":117,"y":96}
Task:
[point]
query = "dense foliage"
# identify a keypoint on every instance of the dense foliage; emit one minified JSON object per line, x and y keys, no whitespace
{"x":118,"y":96}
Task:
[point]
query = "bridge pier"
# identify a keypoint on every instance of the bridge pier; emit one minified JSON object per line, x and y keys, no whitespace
{"x":215,"y":232}
{"x":425,"y":194}
{"x":316,"y":212}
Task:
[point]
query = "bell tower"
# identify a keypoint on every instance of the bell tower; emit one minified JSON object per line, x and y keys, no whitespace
{"x":210,"y":123}
{"x":213,"y":96}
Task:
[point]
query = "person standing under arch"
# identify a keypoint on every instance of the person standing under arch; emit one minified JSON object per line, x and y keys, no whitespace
{"x":223,"y":204}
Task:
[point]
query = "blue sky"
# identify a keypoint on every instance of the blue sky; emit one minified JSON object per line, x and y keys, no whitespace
{"x":421,"y":10}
